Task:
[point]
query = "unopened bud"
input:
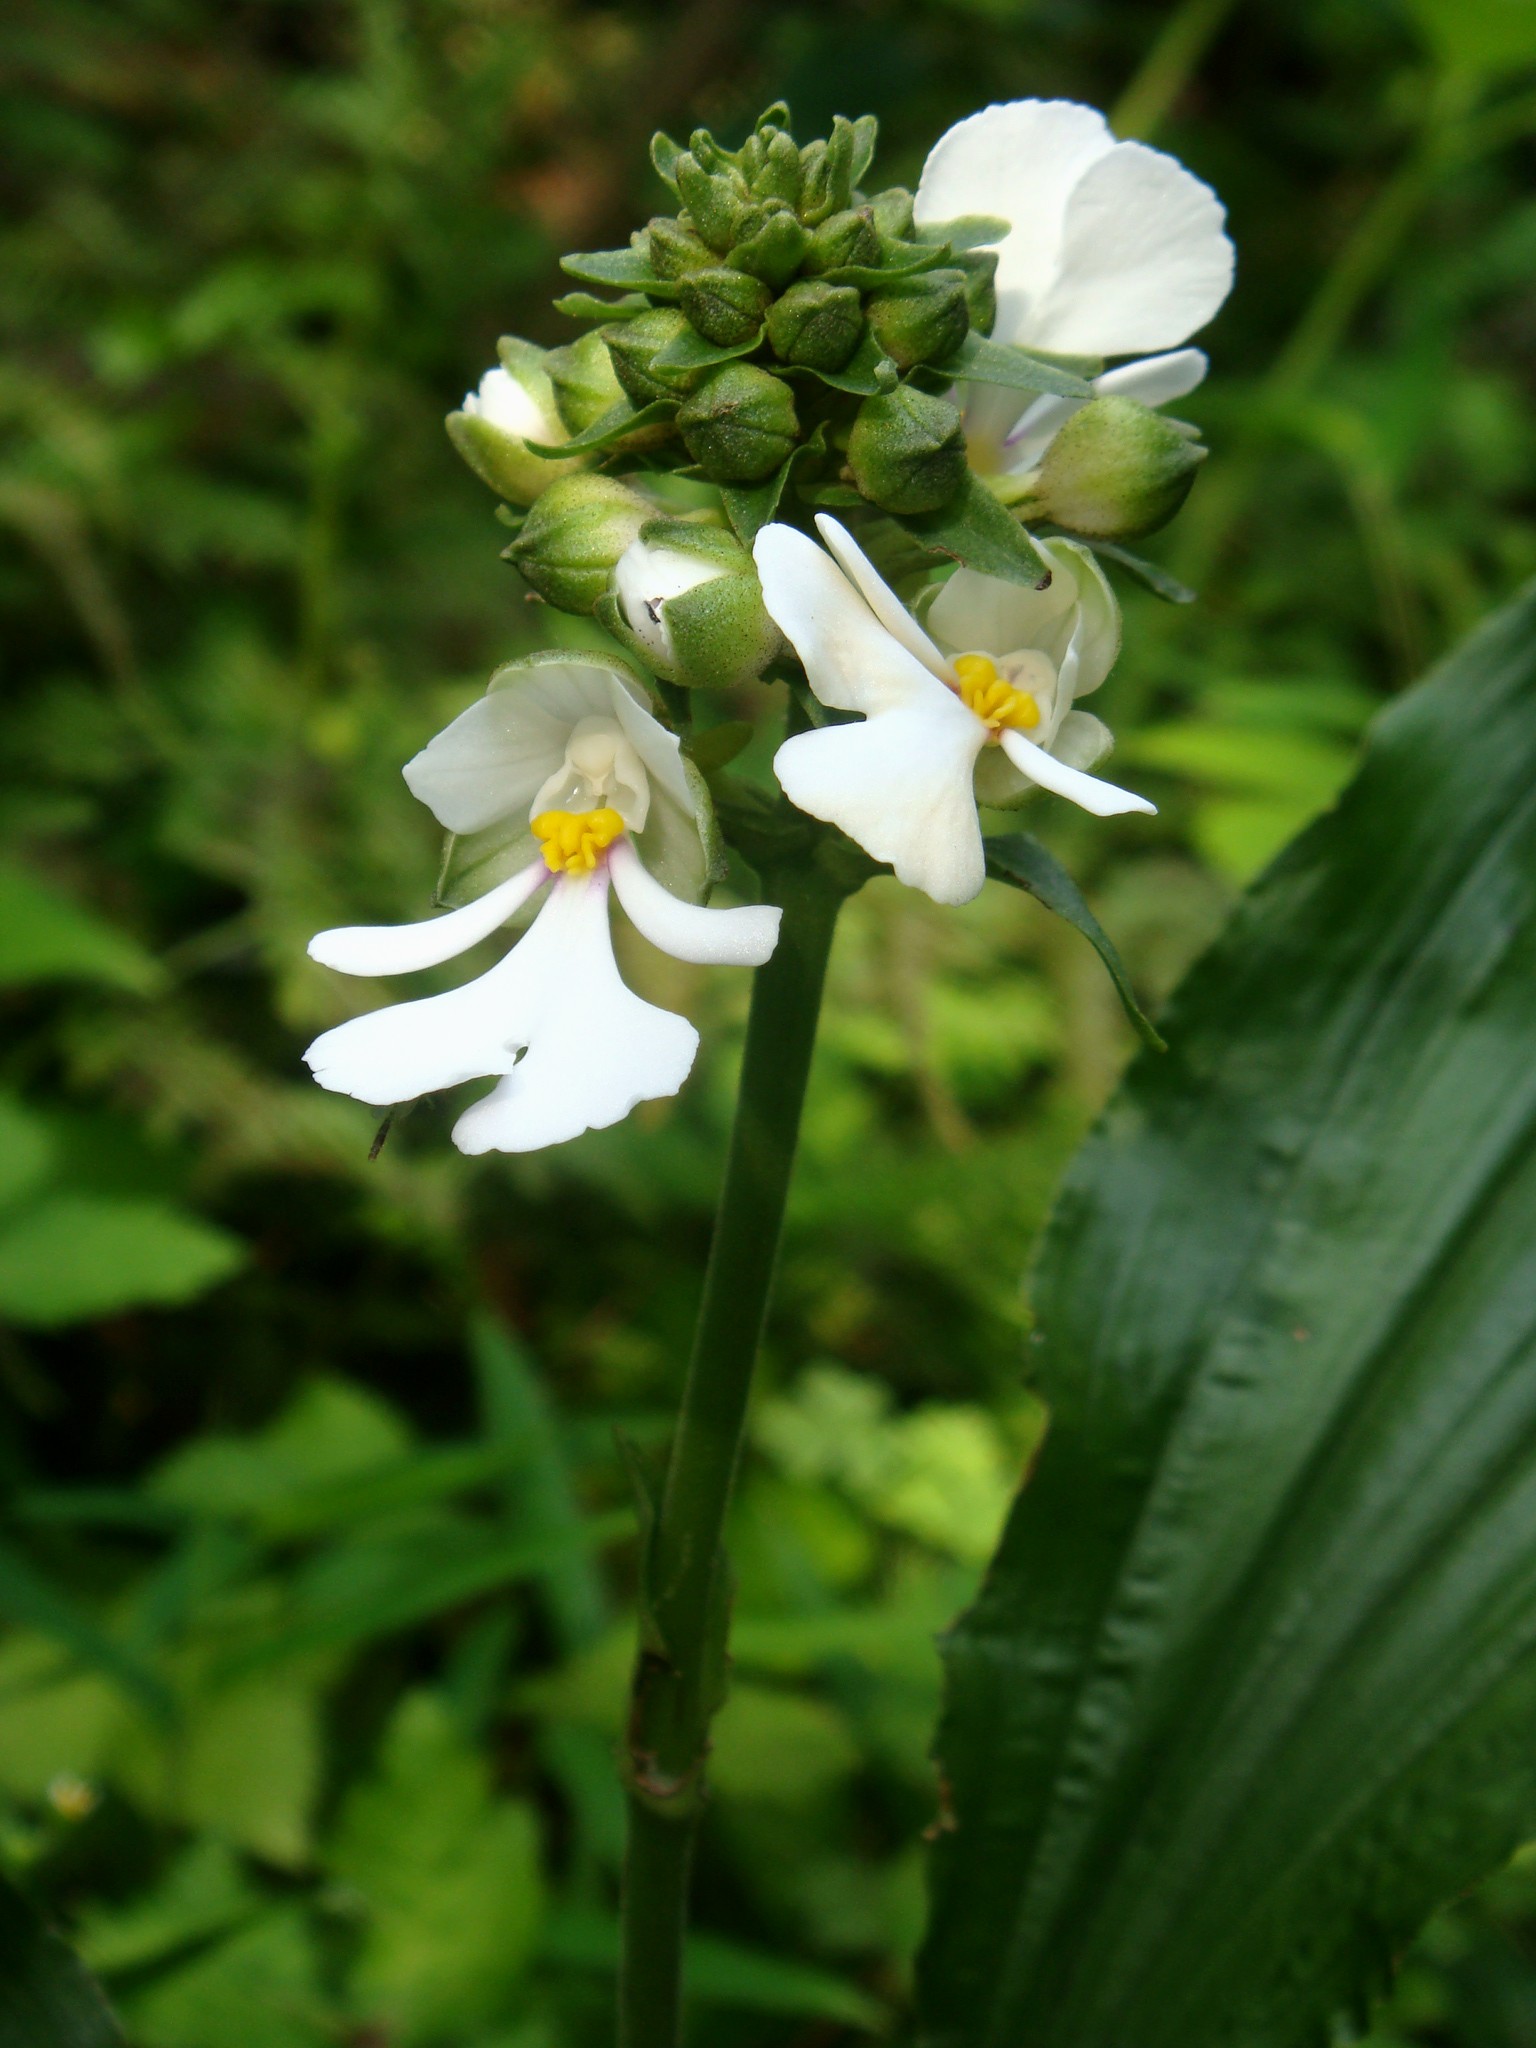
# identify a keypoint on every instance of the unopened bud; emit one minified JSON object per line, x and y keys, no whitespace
{"x":740,"y":424}
{"x":725,"y":306}
{"x":685,"y":598}
{"x":513,"y":405}
{"x":906,"y":451}
{"x":585,"y":385}
{"x":777,"y":173}
{"x":827,"y":173}
{"x":715,"y":200}
{"x":775,"y":248}
{"x":921,"y":319}
{"x":675,"y":250}
{"x":573,"y":537}
{"x":633,"y":343}
{"x":1115,"y":469}
{"x":816,"y":324}
{"x":847,"y":237}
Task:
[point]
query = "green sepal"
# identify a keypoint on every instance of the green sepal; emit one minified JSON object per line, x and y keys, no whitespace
{"x":900,"y":259}
{"x":585,"y":384}
{"x":587,"y":306}
{"x":979,"y":361}
{"x":627,"y":268}
{"x":866,"y":134}
{"x":749,"y":508}
{"x":664,"y":155}
{"x":615,"y":425}
{"x":1022,"y":862}
{"x":689,"y":351}
{"x":1148,"y":574}
{"x":515,"y":470}
{"x":860,"y":375}
{"x":979,"y":533}
{"x":711,"y":839}
{"x":966,"y":231}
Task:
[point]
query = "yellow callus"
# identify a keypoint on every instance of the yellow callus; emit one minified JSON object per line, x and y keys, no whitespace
{"x":573,"y":840}
{"x":995,"y":703}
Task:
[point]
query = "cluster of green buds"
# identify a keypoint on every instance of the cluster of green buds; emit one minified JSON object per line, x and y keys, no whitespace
{"x":785,"y":331}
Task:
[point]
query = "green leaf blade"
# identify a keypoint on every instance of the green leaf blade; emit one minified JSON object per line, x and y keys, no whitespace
{"x":1249,"y":1688}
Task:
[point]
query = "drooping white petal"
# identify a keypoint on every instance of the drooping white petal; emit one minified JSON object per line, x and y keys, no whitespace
{"x":742,"y":936}
{"x":594,"y":1048}
{"x":879,"y":596}
{"x":853,"y":663}
{"x":402,"y":948}
{"x":1144,"y":259}
{"x":1103,"y":799}
{"x":1020,"y":161}
{"x":1156,"y":380}
{"x":900,"y":785}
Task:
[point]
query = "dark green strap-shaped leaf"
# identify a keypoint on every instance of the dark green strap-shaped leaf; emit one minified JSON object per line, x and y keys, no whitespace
{"x":1021,"y":860}
{"x":48,"y":1999}
{"x":1252,"y":1681}
{"x":859,"y":375}
{"x":979,"y":361}
{"x":976,"y":531}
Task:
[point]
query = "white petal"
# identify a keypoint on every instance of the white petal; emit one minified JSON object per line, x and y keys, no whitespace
{"x":594,"y":1048}
{"x":980,"y":614}
{"x":1103,"y":799}
{"x":1144,"y":260}
{"x":1021,"y":161}
{"x":402,"y":948}
{"x":743,"y":936}
{"x":1083,"y":741}
{"x":1094,"y":647}
{"x":879,"y":596}
{"x":505,"y":403}
{"x":853,"y":663}
{"x":899,"y":784}
{"x":1036,"y":430}
{"x":644,"y":577}
{"x":1156,"y":380}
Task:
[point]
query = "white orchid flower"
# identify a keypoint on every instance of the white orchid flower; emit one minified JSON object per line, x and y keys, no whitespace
{"x":1114,"y":249}
{"x":978,"y":709}
{"x":554,"y":779}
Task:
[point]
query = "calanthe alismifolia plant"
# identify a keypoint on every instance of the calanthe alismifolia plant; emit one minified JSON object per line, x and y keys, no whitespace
{"x":867,"y":445}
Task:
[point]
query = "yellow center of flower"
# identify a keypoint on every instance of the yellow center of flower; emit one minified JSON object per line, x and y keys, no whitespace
{"x":995,"y":703}
{"x":574,"y":839}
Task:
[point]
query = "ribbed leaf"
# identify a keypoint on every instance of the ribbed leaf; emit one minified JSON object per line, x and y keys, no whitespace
{"x":1250,"y":1686}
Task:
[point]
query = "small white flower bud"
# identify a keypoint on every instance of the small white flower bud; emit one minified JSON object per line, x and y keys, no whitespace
{"x":646,"y":577}
{"x":514,"y":404}
{"x":686,"y":600}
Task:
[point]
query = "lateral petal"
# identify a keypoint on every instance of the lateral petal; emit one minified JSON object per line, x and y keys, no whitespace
{"x":853,"y":663}
{"x":403,"y":948}
{"x":1103,"y":799}
{"x":741,"y":936}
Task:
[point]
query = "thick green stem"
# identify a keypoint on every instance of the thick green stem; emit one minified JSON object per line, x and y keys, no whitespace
{"x":679,"y":1680}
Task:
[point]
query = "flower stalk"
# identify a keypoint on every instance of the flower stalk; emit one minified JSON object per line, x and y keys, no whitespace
{"x":679,"y":1675}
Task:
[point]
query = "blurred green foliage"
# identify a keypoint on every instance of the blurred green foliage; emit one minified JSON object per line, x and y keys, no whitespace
{"x":316,"y":1552}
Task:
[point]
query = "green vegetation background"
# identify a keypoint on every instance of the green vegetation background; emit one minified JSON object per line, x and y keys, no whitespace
{"x":315,"y":1554}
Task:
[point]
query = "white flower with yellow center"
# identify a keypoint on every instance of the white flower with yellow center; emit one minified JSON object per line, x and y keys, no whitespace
{"x":556,"y":778}
{"x":979,"y":708}
{"x":1114,"y":249}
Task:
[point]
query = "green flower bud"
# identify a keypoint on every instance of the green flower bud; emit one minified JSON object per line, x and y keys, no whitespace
{"x":893,"y":212}
{"x":575,"y":533}
{"x":979,"y":268}
{"x":674,"y":249}
{"x":740,"y":424}
{"x":631,"y":345}
{"x":1115,"y":470}
{"x":585,"y":386}
{"x":906,"y":451}
{"x":816,"y":323}
{"x":725,"y":306}
{"x":514,"y":405}
{"x":847,"y":237}
{"x":685,"y":598}
{"x":774,"y":250}
{"x":715,"y":200}
{"x":827,"y":173}
{"x":777,"y":175}
{"x":921,"y":319}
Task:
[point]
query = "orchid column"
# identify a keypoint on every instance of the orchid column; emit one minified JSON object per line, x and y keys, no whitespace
{"x":862,"y":445}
